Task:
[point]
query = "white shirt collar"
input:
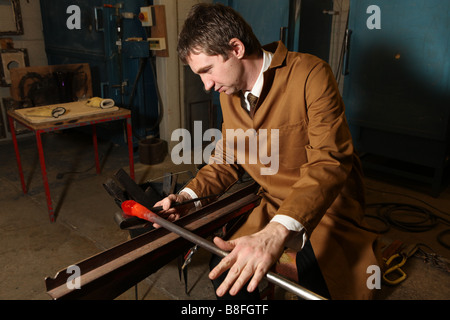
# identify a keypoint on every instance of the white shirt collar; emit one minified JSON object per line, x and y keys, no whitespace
{"x":257,"y":88}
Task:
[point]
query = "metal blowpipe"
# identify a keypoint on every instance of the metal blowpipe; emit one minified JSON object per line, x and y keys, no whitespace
{"x":133,"y":208}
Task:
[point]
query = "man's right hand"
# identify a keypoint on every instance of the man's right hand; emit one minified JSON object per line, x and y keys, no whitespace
{"x":173,"y":214}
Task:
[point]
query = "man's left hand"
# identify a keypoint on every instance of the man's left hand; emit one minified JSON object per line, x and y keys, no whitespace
{"x":250,"y":258}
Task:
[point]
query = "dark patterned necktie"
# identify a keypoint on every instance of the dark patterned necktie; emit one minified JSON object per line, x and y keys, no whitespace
{"x":252,"y":100}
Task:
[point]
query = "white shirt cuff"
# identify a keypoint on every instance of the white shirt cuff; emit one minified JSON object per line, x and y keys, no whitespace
{"x":298,"y":241}
{"x":193,"y":195}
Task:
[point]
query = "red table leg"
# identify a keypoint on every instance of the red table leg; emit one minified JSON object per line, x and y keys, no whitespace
{"x":44,"y":176}
{"x":130,"y":148}
{"x":16,"y":149}
{"x":94,"y":140}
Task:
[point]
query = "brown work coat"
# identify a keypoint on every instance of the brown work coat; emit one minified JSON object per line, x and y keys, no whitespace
{"x":319,"y":179}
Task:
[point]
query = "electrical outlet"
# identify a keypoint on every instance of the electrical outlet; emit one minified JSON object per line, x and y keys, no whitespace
{"x":157,"y":43}
{"x":146,"y":17}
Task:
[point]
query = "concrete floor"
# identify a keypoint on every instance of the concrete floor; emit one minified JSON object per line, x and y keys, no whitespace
{"x":32,"y":248}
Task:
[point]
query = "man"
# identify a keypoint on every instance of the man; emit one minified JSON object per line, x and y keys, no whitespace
{"x":313,"y":200}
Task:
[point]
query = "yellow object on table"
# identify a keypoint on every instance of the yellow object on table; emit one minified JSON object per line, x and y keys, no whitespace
{"x":97,"y":102}
{"x":46,"y":112}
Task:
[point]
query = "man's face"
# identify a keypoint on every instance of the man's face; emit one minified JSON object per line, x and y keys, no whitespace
{"x":218,"y":74}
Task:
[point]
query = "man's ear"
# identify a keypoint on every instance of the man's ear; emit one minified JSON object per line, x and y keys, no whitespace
{"x":238,"y":48}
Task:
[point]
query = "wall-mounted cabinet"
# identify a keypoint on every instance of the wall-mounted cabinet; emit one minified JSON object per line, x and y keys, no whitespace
{"x":397,"y":89}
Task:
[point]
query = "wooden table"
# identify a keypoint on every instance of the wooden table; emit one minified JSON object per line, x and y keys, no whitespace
{"x":67,"y":122}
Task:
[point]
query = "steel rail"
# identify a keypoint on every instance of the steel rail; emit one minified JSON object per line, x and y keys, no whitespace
{"x":109,"y":273}
{"x":212,"y":248}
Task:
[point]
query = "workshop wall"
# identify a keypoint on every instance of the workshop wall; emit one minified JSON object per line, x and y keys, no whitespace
{"x":33,"y":41}
{"x":339,"y":25}
{"x":170,"y":72}
{"x":397,"y":87}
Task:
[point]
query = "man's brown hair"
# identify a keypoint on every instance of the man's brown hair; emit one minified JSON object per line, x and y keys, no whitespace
{"x":210,"y":27}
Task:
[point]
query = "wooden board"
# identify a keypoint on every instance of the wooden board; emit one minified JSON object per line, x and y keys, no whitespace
{"x":9,"y":57}
{"x":74,"y":110}
{"x":26,"y":78}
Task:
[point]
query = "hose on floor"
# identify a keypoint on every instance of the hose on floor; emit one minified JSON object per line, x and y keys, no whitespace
{"x":408,"y":217}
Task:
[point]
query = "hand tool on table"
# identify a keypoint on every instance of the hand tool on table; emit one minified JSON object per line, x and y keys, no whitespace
{"x":58,"y":111}
{"x":132,"y":208}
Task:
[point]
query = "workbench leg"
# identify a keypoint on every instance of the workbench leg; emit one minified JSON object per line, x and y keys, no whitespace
{"x":16,"y":149}
{"x":130,"y":147}
{"x":94,"y":140}
{"x":44,"y":176}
